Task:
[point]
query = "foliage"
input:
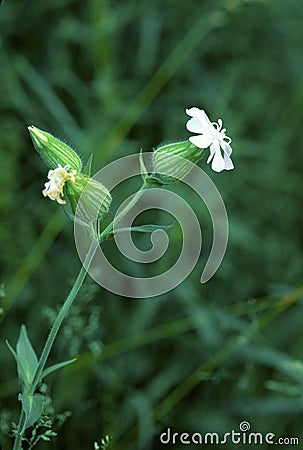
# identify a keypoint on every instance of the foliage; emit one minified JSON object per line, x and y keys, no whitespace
{"x":112,"y":77}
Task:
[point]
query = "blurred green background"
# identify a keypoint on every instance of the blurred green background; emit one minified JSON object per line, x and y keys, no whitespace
{"x":112,"y":77}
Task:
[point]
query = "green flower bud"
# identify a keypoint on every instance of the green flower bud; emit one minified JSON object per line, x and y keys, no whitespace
{"x":94,"y":197}
{"x":54,"y":152}
{"x":173,"y":161}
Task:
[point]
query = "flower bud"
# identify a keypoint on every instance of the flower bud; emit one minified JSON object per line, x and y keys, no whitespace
{"x":54,"y":152}
{"x":95,"y":198}
{"x":173,"y":161}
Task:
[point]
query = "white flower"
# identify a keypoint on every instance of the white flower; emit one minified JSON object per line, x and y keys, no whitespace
{"x":212,"y":135}
{"x":58,"y":177}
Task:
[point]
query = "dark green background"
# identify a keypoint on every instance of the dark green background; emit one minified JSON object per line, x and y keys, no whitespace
{"x":111,"y":77}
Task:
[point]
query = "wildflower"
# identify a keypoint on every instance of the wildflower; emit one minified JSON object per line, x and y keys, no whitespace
{"x":212,"y":135}
{"x":57,"y":179}
{"x":172,"y":162}
{"x":66,"y":176}
{"x":96,"y":198}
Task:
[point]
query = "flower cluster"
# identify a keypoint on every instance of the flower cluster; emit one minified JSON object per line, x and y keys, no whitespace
{"x":171,"y":162}
{"x":66,"y":176}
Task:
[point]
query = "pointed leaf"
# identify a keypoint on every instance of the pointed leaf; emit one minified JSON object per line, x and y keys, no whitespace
{"x":88,"y":166}
{"x":148,"y":228}
{"x":12,"y":351}
{"x":27,"y":357}
{"x":58,"y":366}
{"x":20,"y":369}
{"x":32,"y":406}
{"x":18,"y":361}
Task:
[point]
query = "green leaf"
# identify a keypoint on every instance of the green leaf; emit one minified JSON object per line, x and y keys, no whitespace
{"x":27,"y":359}
{"x":148,"y":228}
{"x":88,"y":166}
{"x":12,"y":351}
{"x":32,"y":406}
{"x":58,"y":366}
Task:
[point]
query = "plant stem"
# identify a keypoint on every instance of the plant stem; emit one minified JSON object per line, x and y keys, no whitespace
{"x":19,"y":435}
{"x":62,"y":313}
{"x":65,"y":308}
{"x":108,"y":230}
{"x":52,"y":336}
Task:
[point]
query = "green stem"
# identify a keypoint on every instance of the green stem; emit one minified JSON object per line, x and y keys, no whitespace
{"x":19,"y":435}
{"x":65,"y":308}
{"x":62,"y":313}
{"x":52,"y":336}
{"x":108,"y":230}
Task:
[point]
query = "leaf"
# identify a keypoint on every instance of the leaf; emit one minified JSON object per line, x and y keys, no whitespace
{"x":88,"y":166}
{"x":55,"y":367}
{"x":32,"y":406}
{"x":27,"y":359}
{"x":19,"y":365}
{"x":148,"y":228}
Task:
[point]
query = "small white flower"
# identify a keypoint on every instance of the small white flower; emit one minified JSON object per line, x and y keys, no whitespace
{"x":212,"y":135}
{"x":58,"y":177}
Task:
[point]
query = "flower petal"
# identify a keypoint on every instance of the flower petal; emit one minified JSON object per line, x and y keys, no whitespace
{"x":226,"y":148}
{"x":218,"y":163}
{"x":228,"y":162}
{"x":211,"y":153}
{"x":201,"y":141}
{"x":194,"y":125}
{"x":200,"y":122}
